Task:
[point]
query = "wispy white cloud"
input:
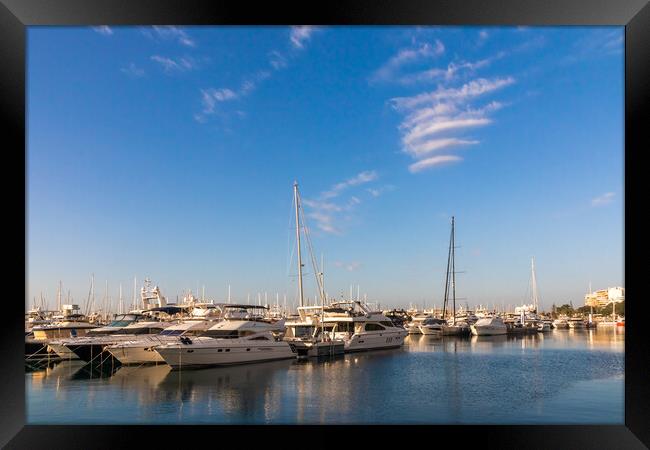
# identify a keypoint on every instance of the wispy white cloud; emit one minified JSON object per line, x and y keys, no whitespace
{"x":435,"y":121}
{"x":599,"y":42}
{"x":210,"y":98}
{"x":169,"y":65}
{"x":426,"y":129}
{"x":350,"y":267}
{"x":330,"y":214}
{"x":170,"y":32}
{"x":433,"y":161}
{"x":361,"y":178}
{"x":474,"y":88}
{"x":406,"y":56}
{"x":277,"y":60}
{"x":299,"y":35}
{"x":376,"y":192}
{"x":103,"y":29}
{"x":133,"y":70}
{"x":604,"y":199}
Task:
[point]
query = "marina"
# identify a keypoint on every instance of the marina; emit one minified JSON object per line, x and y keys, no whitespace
{"x":571,"y":376}
{"x":325,"y":225}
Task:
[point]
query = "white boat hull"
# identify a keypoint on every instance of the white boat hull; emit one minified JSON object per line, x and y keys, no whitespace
{"x":488,"y":330}
{"x":431,"y":330}
{"x":136,"y":354}
{"x":375,"y":340}
{"x":223,"y":352}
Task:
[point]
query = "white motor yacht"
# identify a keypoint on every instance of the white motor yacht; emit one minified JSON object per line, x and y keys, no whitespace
{"x":432,"y":326}
{"x":123,"y":328}
{"x":360,"y":328}
{"x":576,"y":323}
{"x":489,"y":326}
{"x":142,"y":350}
{"x":243,"y":336}
{"x":561,"y":323}
{"x":307,"y":336}
{"x":413,"y":326}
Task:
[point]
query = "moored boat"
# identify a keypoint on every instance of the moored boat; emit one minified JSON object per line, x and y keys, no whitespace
{"x":489,"y":326}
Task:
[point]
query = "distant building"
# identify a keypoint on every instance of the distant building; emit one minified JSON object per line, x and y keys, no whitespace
{"x":604,"y":297}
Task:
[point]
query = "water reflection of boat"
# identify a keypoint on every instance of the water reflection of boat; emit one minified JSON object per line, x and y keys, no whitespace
{"x":239,"y":390}
{"x":140,"y":377}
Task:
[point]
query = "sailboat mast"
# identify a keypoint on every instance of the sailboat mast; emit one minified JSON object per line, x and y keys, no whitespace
{"x":444,"y":303}
{"x":322,"y":276}
{"x":534,"y":279}
{"x":58,"y":298}
{"x":453,"y":267}
{"x":297,"y":205}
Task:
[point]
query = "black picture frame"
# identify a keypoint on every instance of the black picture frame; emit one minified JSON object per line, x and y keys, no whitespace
{"x":16,"y":15}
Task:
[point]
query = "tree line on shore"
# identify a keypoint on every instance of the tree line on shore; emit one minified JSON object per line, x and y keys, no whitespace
{"x":569,"y":310}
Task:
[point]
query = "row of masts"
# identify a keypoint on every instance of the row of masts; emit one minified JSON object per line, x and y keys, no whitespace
{"x":450,"y":278}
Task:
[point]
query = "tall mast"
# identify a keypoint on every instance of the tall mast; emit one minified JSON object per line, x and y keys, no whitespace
{"x":446,"y":297}
{"x":297,"y":204}
{"x":135,"y":288}
{"x":532,"y":268}
{"x":58,"y":298}
{"x":322,"y":276}
{"x":228,"y":293}
{"x":92,"y":290}
{"x":120,"y":303}
{"x":453,"y":267}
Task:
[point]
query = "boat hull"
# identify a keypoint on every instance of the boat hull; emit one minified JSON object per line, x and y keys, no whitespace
{"x":136,"y":354}
{"x":184,"y":356}
{"x":488,"y":330}
{"x":375,"y":341}
{"x":307,"y":349}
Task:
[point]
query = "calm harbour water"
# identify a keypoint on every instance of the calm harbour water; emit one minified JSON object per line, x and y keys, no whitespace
{"x":561,"y":377}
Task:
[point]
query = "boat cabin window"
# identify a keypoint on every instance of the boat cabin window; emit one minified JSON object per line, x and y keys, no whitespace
{"x":260,"y":338}
{"x":387,"y":324}
{"x":374,"y":327}
{"x":345,"y":327}
{"x":222,"y":334}
{"x":304,"y":331}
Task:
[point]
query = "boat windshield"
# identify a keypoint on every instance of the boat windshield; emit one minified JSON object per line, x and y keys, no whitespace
{"x":122,"y":321}
{"x":171,"y":332}
{"x":142,"y":330}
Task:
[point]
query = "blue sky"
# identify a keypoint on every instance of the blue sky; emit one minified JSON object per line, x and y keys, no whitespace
{"x":170,"y":153}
